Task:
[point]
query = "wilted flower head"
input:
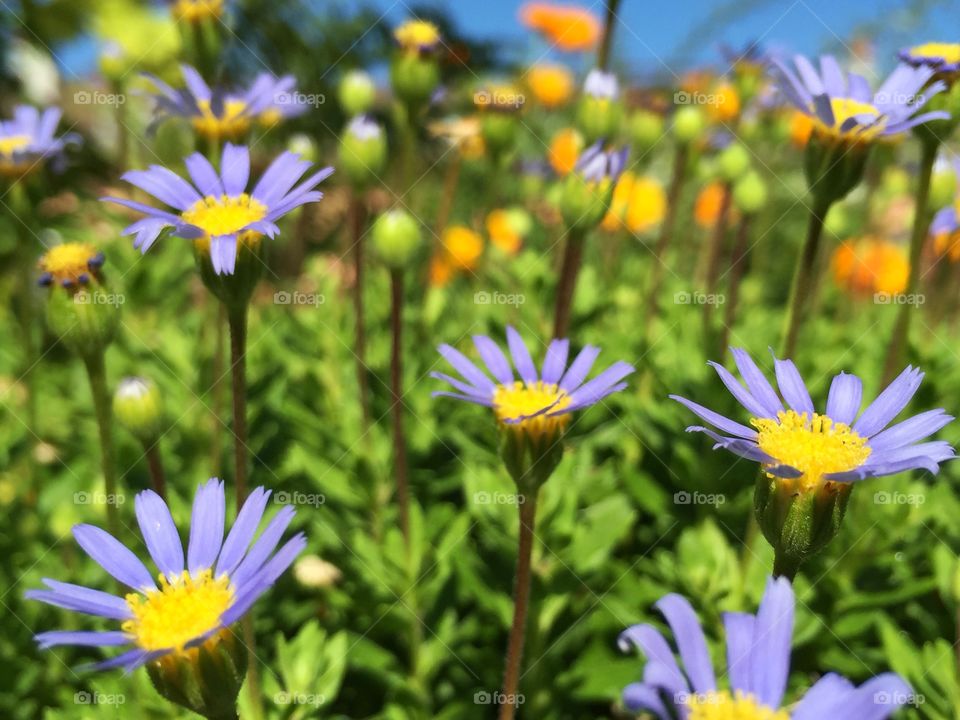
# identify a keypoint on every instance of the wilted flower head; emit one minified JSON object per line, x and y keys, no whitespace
{"x":601,"y":85}
{"x":220,"y":114}
{"x":216,"y":210}
{"x":27,"y":140}
{"x":758,"y":667}
{"x":845,"y":109}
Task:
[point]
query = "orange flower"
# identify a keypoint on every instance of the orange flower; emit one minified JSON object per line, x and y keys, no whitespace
{"x":723,"y":103}
{"x":568,"y":27}
{"x":440,"y":271}
{"x":551,"y":85}
{"x":648,"y":205}
{"x":706,"y":209}
{"x":947,"y":243}
{"x":870,"y":265}
{"x":801,"y":125}
{"x":564,"y":150}
{"x":462,"y":247}
{"x":613,"y":220}
{"x":503,"y":232}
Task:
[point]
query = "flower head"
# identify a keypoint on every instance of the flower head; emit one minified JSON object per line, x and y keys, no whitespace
{"x":597,"y":165}
{"x":943,"y":58}
{"x":601,"y":85}
{"x":417,"y":36}
{"x":219,"y":114}
{"x":870,"y":266}
{"x":758,"y":666}
{"x":70,"y":264}
{"x":196,"y":11}
{"x":535,"y":404}
{"x":551,"y":85}
{"x":197,"y":596}
{"x":462,"y":247}
{"x":27,"y":140}
{"x":565,"y":147}
{"x":568,"y":27}
{"x":216,"y":210}
{"x":844,"y":108}
{"x":804,"y":449}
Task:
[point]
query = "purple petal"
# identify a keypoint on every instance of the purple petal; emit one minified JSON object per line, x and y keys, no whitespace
{"x":556,"y":361}
{"x":690,"y":641}
{"x":494,"y":359}
{"x":716,"y":419}
{"x":757,"y":383}
{"x":159,"y":533}
{"x":86,"y":638}
{"x":743,"y":396}
{"x":206,"y":526}
{"x":467,"y":369}
{"x":600,"y":386}
{"x":773,"y":638}
{"x":267,"y":576}
{"x":114,"y":557}
{"x":240,"y":535}
{"x":792,"y":388}
{"x":81,"y":599}
{"x":740,"y":633}
{"x":889,"y":403}
{"x":204,"y":176}
{"x":263,"y":547}
{"x":910,"y":430}
{"x":235,"y":168}
{"x":843,"y":401}
{"x":223,"y":254}
{"x":579,"y":368}
{"x":521,"y":357}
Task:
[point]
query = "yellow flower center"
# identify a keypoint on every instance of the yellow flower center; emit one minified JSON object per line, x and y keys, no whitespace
{"x":950,"y":52}
{"x":69,"y":261}
{"x":417,"y":34}
{"x":195,"y":11}
{"x":724,"y":706}
{"x":519,"y":400}
{"x":846,"y":108}
{"x":231,"y":124}
{"x":9,"y":145}
{"x":224,"y":215}
{"x":815,"y":446}
{"x":180,"y":611}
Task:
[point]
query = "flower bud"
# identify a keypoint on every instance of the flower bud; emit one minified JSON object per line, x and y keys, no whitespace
{"x":750,"y":193}
{"x":588,"y":190}
{"x":734,"y":161}
{"x":530,"y":458}
{"x":303,"y":145}
{"x":396,"y":238}
{"x":357,"y":92}
{"x":833,"y":169}
{"x":646,"y":129}
{"x":81,"y":310}
{"x":414,"y":72}
{"x":689,"y":124}
{"x":363,"y":151}
{"x":138,"y":407}
{"x":205,"y":679}
{"x":600,"y":112}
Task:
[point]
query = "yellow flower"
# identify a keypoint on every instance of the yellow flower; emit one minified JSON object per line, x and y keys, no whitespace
{"x":871,"y":265}
{"x":462,"y":246}
{"x":440,"y":271}
{"x":417,"y":35}
{"x":503,"y":232}
{"x":564,"y":150}
{"x":196,"y":11}
{"x":724,"y":103}
{"x":551,"y":85}
{"x":613,"y":220}
{"x":647,"y":206}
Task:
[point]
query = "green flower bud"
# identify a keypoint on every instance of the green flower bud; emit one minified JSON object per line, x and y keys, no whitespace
{"x":530,"y":458}
{"x":206,"y":679}
{"x":600,"y":112}
{"x":363,"y":151}
{"x":304,"y":146}
{"x":583,"y":202}
{"x":833,"y":168}
{"x":689,"y":124}
{"x":81,"y":309}
{"x":646,"y":129}
{"x":943,"y":184}
{"x":499,"y":130}
{"x":414,"y":77}
{"x":357,"y":92}
{"x":734,"y":161}
{"x":138,"y":407}
{"x":396,"y":238}
{"x":750,"y":193}
{"x":233,"y":290}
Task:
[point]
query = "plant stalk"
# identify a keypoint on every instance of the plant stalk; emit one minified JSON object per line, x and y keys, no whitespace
{"x":396,"y":390}
{"x":803,"y":278}
{"x":567,"y":285}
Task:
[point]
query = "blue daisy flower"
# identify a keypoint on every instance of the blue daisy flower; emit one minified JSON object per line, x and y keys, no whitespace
{"x":596,"y":165}
{"x":199,"y":595}
{"x":758,"y":665}
{"x":27,"y":140}
{"x":797,"y":444}
{"x":843,"y":106}
{"x":217,"y":209}
{"x":221,"y":114}
{"x":944,"y":58}
{"x":536,"y":403}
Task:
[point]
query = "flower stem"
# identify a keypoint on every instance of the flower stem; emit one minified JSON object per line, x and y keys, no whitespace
{"x":572,"y":259}
{"x":603,"y":54}
{"x":96,"y":372}
{"x":784,"y":567}
{"x":803,"y":277}
{"x":716,"y":254}
{"x":737,"y":268}
{"x":220,"y":324}
{"x":521,"y":599}
{"x":155,"y":463}
{"x":396,"y":390}
{"x":359,"y":342}
{"x":237,"y":319}
{"x":921,"y":224}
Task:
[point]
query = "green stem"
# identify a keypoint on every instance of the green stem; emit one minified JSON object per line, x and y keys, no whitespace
{"x":521,"y":600}
{"x":237,"y":319}
{"x":96,"y":373}
{"x":716,"y":254}
{"x":396,"y":390}
{"x":155,"y":463}
{"x":572,"y":259}
{"x":803,"y":277}
{"x":784,"y":567}
{"x":360,"y":342}
{"x":603,"y":54}
{"x":921,"y":224}
{"x":737,"y":269}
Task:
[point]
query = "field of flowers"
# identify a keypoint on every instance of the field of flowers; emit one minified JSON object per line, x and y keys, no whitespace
{"x":353,"y":369}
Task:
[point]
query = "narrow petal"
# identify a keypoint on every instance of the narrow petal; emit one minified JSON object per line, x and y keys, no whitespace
{"x":773,"y":639}
{"x":579,"y":368}
{"x":637,"y":697}
{"x":235,"y":168}
{"x":204,"y":176}
{"x":690,"y":641}
{"x":223,"y":254}
{"x":81,"y":599}
{"x":467,"y":369}
{"x":792,"y":387}
{"x":521,"y":357}
{"x":843,"y":401}
{"x":494,"y":359}
{"x":159,"y":533}
{"x":716,"y":419}
{"x":757,"y":383}
{"x":910,"y":430}
{"x":242,"y":532}
{"x":263,"y":547}
{"x":823,"y":698}
{"x":206,"y":526}
{"x":114,"y":557}
{"x":267,"y":576}
{"x":740,"y":633}
{"x":889,"y":403}
{"x":742,"y":395}
{"x":597,"y":388}
{"x":556,"y":361}
{"x":86,"y":638}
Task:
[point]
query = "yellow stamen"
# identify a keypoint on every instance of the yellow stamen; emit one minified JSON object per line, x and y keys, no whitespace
{"x":195,"y":11}
{"x":815,"y":446}
{"x":846,"y":108}
{"x":180,"y":611}
{"x":224,"y":215}
{"x":725,"y":706}
{"x":69,"y":261}
{"x":519,"y":400}
{"x":949,"y":52}
{"x":9,"y":145}
{"x":231,"y":124}
{"x":416,"y":34}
